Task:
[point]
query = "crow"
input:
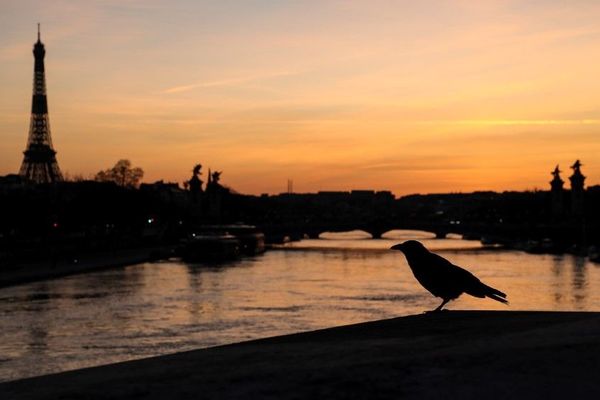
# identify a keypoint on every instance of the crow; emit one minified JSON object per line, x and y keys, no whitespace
{"x":442,"y":278}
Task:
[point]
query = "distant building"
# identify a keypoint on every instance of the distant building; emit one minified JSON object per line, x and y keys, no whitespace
{"x":362,"y":193}
{"x":11,"y":182}
{"x":167,"y":192}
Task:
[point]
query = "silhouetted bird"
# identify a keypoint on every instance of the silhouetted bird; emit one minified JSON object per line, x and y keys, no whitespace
{"x":441,"y":277}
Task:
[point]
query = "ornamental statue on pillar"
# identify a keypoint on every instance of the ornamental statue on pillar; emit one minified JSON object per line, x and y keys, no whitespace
{"x":195,"y":183}
{"x":557,"y":193}
{"x":577,"y":190}
{"x":214,"y":193}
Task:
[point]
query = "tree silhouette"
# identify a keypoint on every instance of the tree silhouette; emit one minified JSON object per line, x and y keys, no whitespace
{"x":122,"y":174}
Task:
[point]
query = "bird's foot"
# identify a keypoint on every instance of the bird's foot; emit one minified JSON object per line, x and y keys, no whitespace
{"x":436,"y":311}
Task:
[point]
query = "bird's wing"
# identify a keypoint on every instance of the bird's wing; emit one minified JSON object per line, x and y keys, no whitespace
{"x":440,"y":276}
{"x":448,"y":275}
{"x":444,"y":266}
{"x":455,"y":276}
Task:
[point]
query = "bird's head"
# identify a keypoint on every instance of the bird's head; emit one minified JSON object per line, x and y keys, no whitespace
{"x":409,"y":247}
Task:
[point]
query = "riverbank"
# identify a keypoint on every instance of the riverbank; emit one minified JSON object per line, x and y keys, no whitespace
{"x":25,"y":273}
{"x":452,"y":354}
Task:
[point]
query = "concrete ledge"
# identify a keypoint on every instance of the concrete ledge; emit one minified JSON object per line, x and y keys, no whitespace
{"x":453,"y":354}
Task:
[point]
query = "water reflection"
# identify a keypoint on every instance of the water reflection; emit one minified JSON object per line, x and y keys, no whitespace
{"x":558,"y":266}
{"x":158,"y":308}
{"x":579,"y":282}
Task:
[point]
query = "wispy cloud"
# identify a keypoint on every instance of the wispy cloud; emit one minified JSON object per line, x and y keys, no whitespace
{"x":228,"y":82}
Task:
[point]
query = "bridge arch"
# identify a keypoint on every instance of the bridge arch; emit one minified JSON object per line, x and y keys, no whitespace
{"x":365,"y":233}
{"x":407,"y":234}
{"x":349,"y":235}
{"x":376,"y":230}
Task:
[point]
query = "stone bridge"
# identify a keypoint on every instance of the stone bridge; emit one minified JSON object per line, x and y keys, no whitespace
{"x":375,"y":229}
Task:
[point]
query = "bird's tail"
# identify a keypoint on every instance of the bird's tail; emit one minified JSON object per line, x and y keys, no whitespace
{"x":495,"y":294}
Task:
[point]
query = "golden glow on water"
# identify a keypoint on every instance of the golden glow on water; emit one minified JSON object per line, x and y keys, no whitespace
{"x":164,"y":307}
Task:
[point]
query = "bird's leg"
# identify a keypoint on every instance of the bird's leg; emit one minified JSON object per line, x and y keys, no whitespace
{"x":441,"y":305}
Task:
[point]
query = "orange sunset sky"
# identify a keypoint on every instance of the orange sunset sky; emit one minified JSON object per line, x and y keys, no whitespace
{"x":427,"y":96}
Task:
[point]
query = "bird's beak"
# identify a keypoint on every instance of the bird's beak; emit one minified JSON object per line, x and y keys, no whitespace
{"x":397,"y":247}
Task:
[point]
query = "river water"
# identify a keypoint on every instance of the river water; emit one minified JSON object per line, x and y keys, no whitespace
{"x":164,"y":307}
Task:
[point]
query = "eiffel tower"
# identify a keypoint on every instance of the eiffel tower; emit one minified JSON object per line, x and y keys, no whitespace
{"x":39,"y":164}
